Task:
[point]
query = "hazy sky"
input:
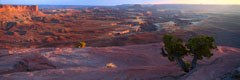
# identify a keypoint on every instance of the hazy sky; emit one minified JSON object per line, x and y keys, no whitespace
{"x":117,"y":2}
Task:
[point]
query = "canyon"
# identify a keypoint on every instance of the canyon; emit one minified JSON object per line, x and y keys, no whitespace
{"x":122,"y":42}
{"x":18,"y":8}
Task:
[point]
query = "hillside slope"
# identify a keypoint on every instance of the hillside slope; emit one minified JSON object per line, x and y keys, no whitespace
{"x":136,"y":62}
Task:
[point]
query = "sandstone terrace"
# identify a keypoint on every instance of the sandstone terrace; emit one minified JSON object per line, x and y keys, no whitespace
{"x":132,"y":62}
{"x":18,"y":8}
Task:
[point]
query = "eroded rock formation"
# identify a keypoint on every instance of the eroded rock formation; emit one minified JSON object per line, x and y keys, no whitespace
{"x":18,"y":8}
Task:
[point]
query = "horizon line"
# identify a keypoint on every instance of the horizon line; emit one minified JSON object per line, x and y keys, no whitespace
{"x":123,"y":4}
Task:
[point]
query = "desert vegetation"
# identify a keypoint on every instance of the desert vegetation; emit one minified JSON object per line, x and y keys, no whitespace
{"x":82,"y":44}
{"x":198,"y":47}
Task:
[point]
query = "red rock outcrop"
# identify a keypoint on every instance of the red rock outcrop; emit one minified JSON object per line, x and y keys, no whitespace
{"x":135,"y":62}
{"x":18,"y":8}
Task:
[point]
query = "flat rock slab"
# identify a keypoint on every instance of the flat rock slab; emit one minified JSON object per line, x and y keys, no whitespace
{"x":136,"y":62}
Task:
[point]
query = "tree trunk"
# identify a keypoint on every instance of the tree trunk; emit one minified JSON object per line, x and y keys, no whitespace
{"x":182,"y":65}
{"x":194,"y":62}
{"x":164,"y":53}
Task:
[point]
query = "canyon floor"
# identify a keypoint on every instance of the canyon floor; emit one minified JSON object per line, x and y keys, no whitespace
{"x":135,"y":62}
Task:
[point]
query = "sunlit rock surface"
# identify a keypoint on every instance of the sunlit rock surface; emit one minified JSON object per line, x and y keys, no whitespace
{"x":137,"y":62}
{"x":18,"y":8}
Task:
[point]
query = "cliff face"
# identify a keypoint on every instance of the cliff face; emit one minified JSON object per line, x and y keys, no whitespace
{"x":18,"y":8}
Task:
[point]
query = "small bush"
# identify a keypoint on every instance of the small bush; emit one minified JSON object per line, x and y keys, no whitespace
{"x":82,"y":45}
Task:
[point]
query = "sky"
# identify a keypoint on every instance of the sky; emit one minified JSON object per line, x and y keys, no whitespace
{"x":117,"y":2}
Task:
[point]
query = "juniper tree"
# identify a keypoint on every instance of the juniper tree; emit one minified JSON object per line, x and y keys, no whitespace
{"x":175,"y":50}
{"x":200,"y":47}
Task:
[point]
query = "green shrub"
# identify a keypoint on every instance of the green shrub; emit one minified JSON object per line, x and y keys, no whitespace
{"x":175,"y":50}
{"x":82,"y":44}
{"x":198,"y":47}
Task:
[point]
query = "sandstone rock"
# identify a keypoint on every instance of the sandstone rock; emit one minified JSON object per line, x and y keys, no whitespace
{"x":18,"y":8}
{"x":135,"y":62}
{"x":34,"y":62}
{"x":21,"y":32}
{"x":62,"y":38}
{"x":238,"y":69}
{"x":55,"y":20}
{"x":49,"y":39}
{"x":36,"y":18}
{"x":47,"y":33}
{"x":60,"y":30}
{"x":10,"y":25}
{"x":4,"y":52}
{"x":9,"y":33}
{"x":111,"y":65}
